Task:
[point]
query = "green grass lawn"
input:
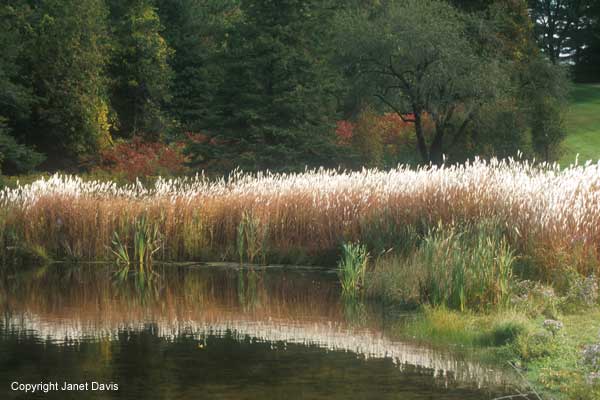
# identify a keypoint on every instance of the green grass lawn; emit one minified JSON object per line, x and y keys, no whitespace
{"x":583,"y":125}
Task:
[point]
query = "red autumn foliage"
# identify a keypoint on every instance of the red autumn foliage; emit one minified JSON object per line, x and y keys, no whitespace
{"x":392,"y":129}
{"x":389,"y":126}
{"x":344,"y":131}
{"x":138,"y":158}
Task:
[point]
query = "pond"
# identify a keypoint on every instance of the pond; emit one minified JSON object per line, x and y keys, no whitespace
{"x":217,"y":332}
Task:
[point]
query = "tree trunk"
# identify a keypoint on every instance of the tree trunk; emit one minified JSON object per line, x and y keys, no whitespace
{"x":436,"y":154}
{"x":422,"y":146}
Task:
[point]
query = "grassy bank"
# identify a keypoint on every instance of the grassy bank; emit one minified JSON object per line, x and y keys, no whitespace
{"x":472,"y":287}
{"x":552,"y":363}
{"x":583,"y":125}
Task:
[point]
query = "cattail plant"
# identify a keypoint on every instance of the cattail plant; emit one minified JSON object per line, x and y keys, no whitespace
{"x":146,"y":242}
{"x":352,"y":268}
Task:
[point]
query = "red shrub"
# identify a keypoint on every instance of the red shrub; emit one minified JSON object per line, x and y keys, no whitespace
{"x":392,"y":129}
{"x":137,"y":158}
{"x":344,"y":131}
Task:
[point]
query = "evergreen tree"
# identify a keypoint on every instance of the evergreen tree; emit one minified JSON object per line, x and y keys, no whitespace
{"x":140,"y":69}
{"x":276,"y":106}
{"x":196,"y":31}
{"x":563,"y":27}
{"x":65,"y":62}
{"x":15,"y":95}
{"x":587,"y":66}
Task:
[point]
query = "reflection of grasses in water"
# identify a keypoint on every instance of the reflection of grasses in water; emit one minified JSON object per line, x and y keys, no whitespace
{"x":328,"y":336}
{"x":247,"y":289}
{"x":144,"y":282}
{"x":266,"y":307}
{"x":208,"y":291}
{"x":355,"y":311}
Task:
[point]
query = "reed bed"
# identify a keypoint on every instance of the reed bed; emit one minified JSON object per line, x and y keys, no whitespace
{"x":551,"y":215}
{"x":470,"y":268}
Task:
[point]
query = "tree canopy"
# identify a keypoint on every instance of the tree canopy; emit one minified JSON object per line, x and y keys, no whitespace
{"x":428,"y":60}
{"x":263,"y":84}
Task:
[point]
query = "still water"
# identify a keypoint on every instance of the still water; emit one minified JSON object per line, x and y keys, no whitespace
{"x":217,"y":332}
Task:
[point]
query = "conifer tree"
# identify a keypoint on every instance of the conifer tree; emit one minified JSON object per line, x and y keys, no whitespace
{"x":140,"y":69}
{"x":196,"y":32}
{"x":276,"y":107}
{"x":65,"y":63}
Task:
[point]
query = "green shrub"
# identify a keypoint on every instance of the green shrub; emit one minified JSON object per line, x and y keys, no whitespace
{"x":532,"y":345}
{"x":507,"y":332}
{"x":535,"y":299}
{"x":15,"y":157}
{"x":582,"y":292}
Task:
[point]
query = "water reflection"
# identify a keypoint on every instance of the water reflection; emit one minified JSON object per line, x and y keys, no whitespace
{"x":144,"y":283}
{"x":296,"y":311}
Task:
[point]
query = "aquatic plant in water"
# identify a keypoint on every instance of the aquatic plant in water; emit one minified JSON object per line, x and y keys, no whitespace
{"x":146,"y":242}
{"x":352,"y":268}
{"x":251,"y":238}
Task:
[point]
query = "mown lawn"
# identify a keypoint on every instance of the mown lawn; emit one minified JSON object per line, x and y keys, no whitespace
{"x":583,"y":125}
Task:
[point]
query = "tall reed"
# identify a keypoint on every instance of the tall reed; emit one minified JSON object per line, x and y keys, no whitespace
{"x":546,"y":211}
{"x":251,"y":238}
{"x":468,"y":266}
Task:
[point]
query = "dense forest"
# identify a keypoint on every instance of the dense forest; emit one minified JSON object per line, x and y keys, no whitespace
{"x":171,"y":86}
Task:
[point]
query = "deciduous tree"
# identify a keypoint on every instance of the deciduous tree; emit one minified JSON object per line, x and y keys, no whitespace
{"x":417,"y":58}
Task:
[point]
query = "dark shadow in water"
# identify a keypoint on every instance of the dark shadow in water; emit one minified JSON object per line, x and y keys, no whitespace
{"x":217,"y":332}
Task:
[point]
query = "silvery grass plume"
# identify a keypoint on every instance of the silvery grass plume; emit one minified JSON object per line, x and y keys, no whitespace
{"x":557,"y":209}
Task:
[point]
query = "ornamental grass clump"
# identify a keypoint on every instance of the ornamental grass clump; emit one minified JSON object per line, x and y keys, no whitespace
{"x":546,"y":211}
{"x":457,"y":266}
{"x":251,"y":240}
